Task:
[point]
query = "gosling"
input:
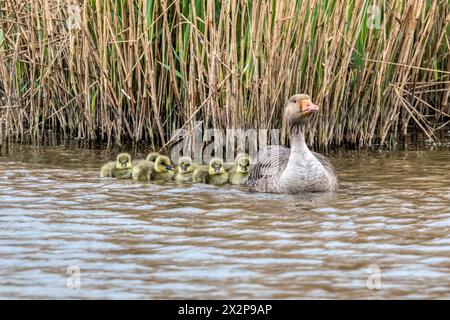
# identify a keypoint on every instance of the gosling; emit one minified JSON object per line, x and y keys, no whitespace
{"x":152,"y":156}
{"x":163,"y":170}
{"x":121,"y":168}
{"x":214,"y":174}
{"x":143,"y":169}
{"x":239,"y":174}
{"x":185,"y":170}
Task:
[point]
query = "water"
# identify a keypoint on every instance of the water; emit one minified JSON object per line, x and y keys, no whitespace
{"x":390,"y":221}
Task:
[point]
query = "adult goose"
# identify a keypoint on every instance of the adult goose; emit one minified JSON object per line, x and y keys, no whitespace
{"x":278,"y":169}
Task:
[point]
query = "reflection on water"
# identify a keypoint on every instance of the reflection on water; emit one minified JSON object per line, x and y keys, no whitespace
{"x":143,"y":240}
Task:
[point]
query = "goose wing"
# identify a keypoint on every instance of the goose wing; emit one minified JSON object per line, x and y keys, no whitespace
{"x":334,"y":185}
{"x":325,"y":162}
{"x":270,"y":162}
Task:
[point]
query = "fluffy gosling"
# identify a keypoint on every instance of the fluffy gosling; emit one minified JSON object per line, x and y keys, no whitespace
{"x":185,"y":170}
{"x":143,"y":169}
{"x":214,"y":173}
{"x":239,"y":174}
{"x":121,"y":168}
{"x":164,"y":170}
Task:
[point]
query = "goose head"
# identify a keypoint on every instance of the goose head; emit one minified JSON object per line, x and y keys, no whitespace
{"x":299,"y":109}
{"x":185,"y":165}
{"x":163,"y":164}
{"x":152,"y":156}
{"x":123,"y":161}
{"x":216,"y":166}
{"x":242,"y":163}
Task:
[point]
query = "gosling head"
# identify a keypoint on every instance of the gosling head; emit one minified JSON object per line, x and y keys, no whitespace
{"x":185,"y":165}
{"x":242,"y":163}
{"x":216,"y":166}
{"x":299,"y":109}
{"x":123,"y":161}
{"x":163,"y":164}
{"x":152,"y":156}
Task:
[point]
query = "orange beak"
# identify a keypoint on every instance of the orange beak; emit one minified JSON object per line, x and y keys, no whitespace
{"x":308,"y":107}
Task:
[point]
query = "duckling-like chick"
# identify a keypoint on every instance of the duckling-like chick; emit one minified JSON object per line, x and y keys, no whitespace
{"x":239,"y":174}
{"x":121,"y":168}
{"x":143,"y":169}
{"x":214,"y":173}
{"x":152,"y":156}
{"x":163,"y":169}
{"x":185,"y":170}
{"x":200,"y":173}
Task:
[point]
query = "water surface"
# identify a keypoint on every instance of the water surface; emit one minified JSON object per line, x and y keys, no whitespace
{"x":144,"y":240}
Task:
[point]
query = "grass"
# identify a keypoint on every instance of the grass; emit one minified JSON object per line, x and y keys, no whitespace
{"x":136,"y":71}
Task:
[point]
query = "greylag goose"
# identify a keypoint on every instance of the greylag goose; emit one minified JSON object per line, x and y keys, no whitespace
{"x":278,"y":169}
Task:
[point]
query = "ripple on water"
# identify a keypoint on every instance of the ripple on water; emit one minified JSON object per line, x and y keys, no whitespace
{"x":143,"y":240}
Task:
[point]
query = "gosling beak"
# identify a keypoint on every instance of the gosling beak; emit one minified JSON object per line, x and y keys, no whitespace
{"x":169,"y":168}
{"x":217,"y":170}
{"x":183,"y":167}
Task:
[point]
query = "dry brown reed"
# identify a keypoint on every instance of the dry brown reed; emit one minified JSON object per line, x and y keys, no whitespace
{"x":137,"y":70}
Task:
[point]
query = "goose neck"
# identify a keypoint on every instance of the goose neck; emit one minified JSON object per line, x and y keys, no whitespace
{"x":298,"y":143}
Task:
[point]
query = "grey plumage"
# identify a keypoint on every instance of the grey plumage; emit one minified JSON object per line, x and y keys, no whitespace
{"x":278,"y":169}
{"x":270,"y":162}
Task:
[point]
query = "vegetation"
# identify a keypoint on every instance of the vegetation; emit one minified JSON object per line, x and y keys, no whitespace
{"x":136,"y":70}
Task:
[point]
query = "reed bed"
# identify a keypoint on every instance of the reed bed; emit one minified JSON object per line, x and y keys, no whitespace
{"x":135,"y":71}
